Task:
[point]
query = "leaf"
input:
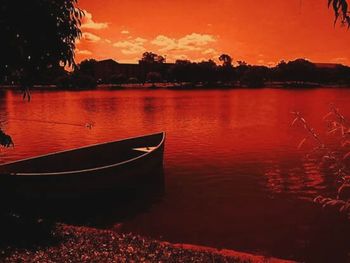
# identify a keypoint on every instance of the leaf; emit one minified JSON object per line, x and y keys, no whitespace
{"x":345,"y":207}
{"x":5,"y":140}
{"x":345,"y":143}
{"x":333,"y":131}
{"x":301,"y":143}
{"x":346,"y":156}
{"x":327,"y":115}
{"x":294,"y":121}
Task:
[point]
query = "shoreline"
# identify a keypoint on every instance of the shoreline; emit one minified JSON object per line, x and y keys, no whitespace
{"x":86,"y":244}
{"x":182,"y":86}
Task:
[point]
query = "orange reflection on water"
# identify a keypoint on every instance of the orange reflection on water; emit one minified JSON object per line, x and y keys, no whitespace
{"x":230,"y":152}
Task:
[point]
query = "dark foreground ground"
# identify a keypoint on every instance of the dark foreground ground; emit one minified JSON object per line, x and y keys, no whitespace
{"x":42,"y":242}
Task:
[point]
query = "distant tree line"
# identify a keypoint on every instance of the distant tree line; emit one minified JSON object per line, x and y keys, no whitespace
{"x":153,"y":68}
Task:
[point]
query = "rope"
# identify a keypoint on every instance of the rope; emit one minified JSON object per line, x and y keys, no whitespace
{"x":88,"y":125}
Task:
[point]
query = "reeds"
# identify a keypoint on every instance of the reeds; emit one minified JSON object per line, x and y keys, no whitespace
{"x":333,"y":157}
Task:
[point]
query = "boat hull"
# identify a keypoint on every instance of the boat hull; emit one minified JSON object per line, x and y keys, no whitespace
{"x":78,"y":183}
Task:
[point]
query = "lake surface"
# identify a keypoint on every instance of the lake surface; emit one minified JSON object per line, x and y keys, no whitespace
{"x":234,"y":177}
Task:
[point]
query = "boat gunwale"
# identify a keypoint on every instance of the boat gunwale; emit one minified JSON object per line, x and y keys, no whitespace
{"x":88,"y":146}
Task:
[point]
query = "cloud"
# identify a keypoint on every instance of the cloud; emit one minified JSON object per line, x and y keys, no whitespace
{"x":340,"y":60}
{"x":90,"y":37}
{"x":191,"y":42}
{"x":210,"y":51}
{"x":180,"y":57}
{"x":196,"y":39}
{"x":200,"y":59}
{"x":165,"y":42}
{"x":89,"y":23}
{"x":133,"y":46}
{"x":125,"y":32}
{"x":83,"y":52}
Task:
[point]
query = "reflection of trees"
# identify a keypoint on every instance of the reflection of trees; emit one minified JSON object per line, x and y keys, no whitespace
{"x":152,"y":109}
{"x":149,"y":105}
{"x":304,"y":178}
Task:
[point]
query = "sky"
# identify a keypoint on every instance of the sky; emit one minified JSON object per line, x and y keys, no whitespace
{"x":261,"y":32}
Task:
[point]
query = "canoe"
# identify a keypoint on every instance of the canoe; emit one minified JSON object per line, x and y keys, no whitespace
{"x":86,"y":170}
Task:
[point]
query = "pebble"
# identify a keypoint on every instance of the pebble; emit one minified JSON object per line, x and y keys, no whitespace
{"x":83,"y":244}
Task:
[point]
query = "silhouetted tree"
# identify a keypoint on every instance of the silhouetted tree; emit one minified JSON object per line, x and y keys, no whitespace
{"x":206,"y":71}
{"x":241,"y":63}
{"x":76,"y":80}
{"x":154,"y":77}
{"x":241,"y":69}
{"x":118,"y":79}
{"x":340,"y":8}
{"x":182,"y":71}
{"x":151,"y":62}
{"x":36,"y":35}
{"x":255,"y":76}
{"x":226,"y":60}
{"x":151,"y":58}
{"x":297,"y":70}
{"x":87,"y":67}
{"x":226,"y":72}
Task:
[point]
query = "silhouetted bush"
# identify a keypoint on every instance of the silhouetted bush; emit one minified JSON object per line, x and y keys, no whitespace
{"x":154,"y":77}
{"x":255,"y":76}
{"x":118,"y":79}
{"x":76,"y":81}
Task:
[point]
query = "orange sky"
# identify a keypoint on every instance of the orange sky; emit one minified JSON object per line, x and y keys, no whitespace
{"x":257,"y":31}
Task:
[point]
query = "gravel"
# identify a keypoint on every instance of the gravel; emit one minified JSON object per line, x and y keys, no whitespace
{"x":84,"y":244}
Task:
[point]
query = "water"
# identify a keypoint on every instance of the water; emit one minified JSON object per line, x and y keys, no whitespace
{"x":234,"y":177}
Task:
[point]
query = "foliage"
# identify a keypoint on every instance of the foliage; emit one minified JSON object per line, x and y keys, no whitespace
{"x":341,"y":11}
{"x":206,"y":71}
{"x":254,"y":76}
{"x":151,"y":58}
{"x":334,"y":159}
{"x":76,"y":80}
{"x":5,"y":140}
{"x":87,"y":67}
{"x":296,"y":70}
{"x":118,"y":79}
{"x":154,"y":77}
{"x":182,"y":71}
{"x":226,"y":60}
{"x":37,"y":35}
